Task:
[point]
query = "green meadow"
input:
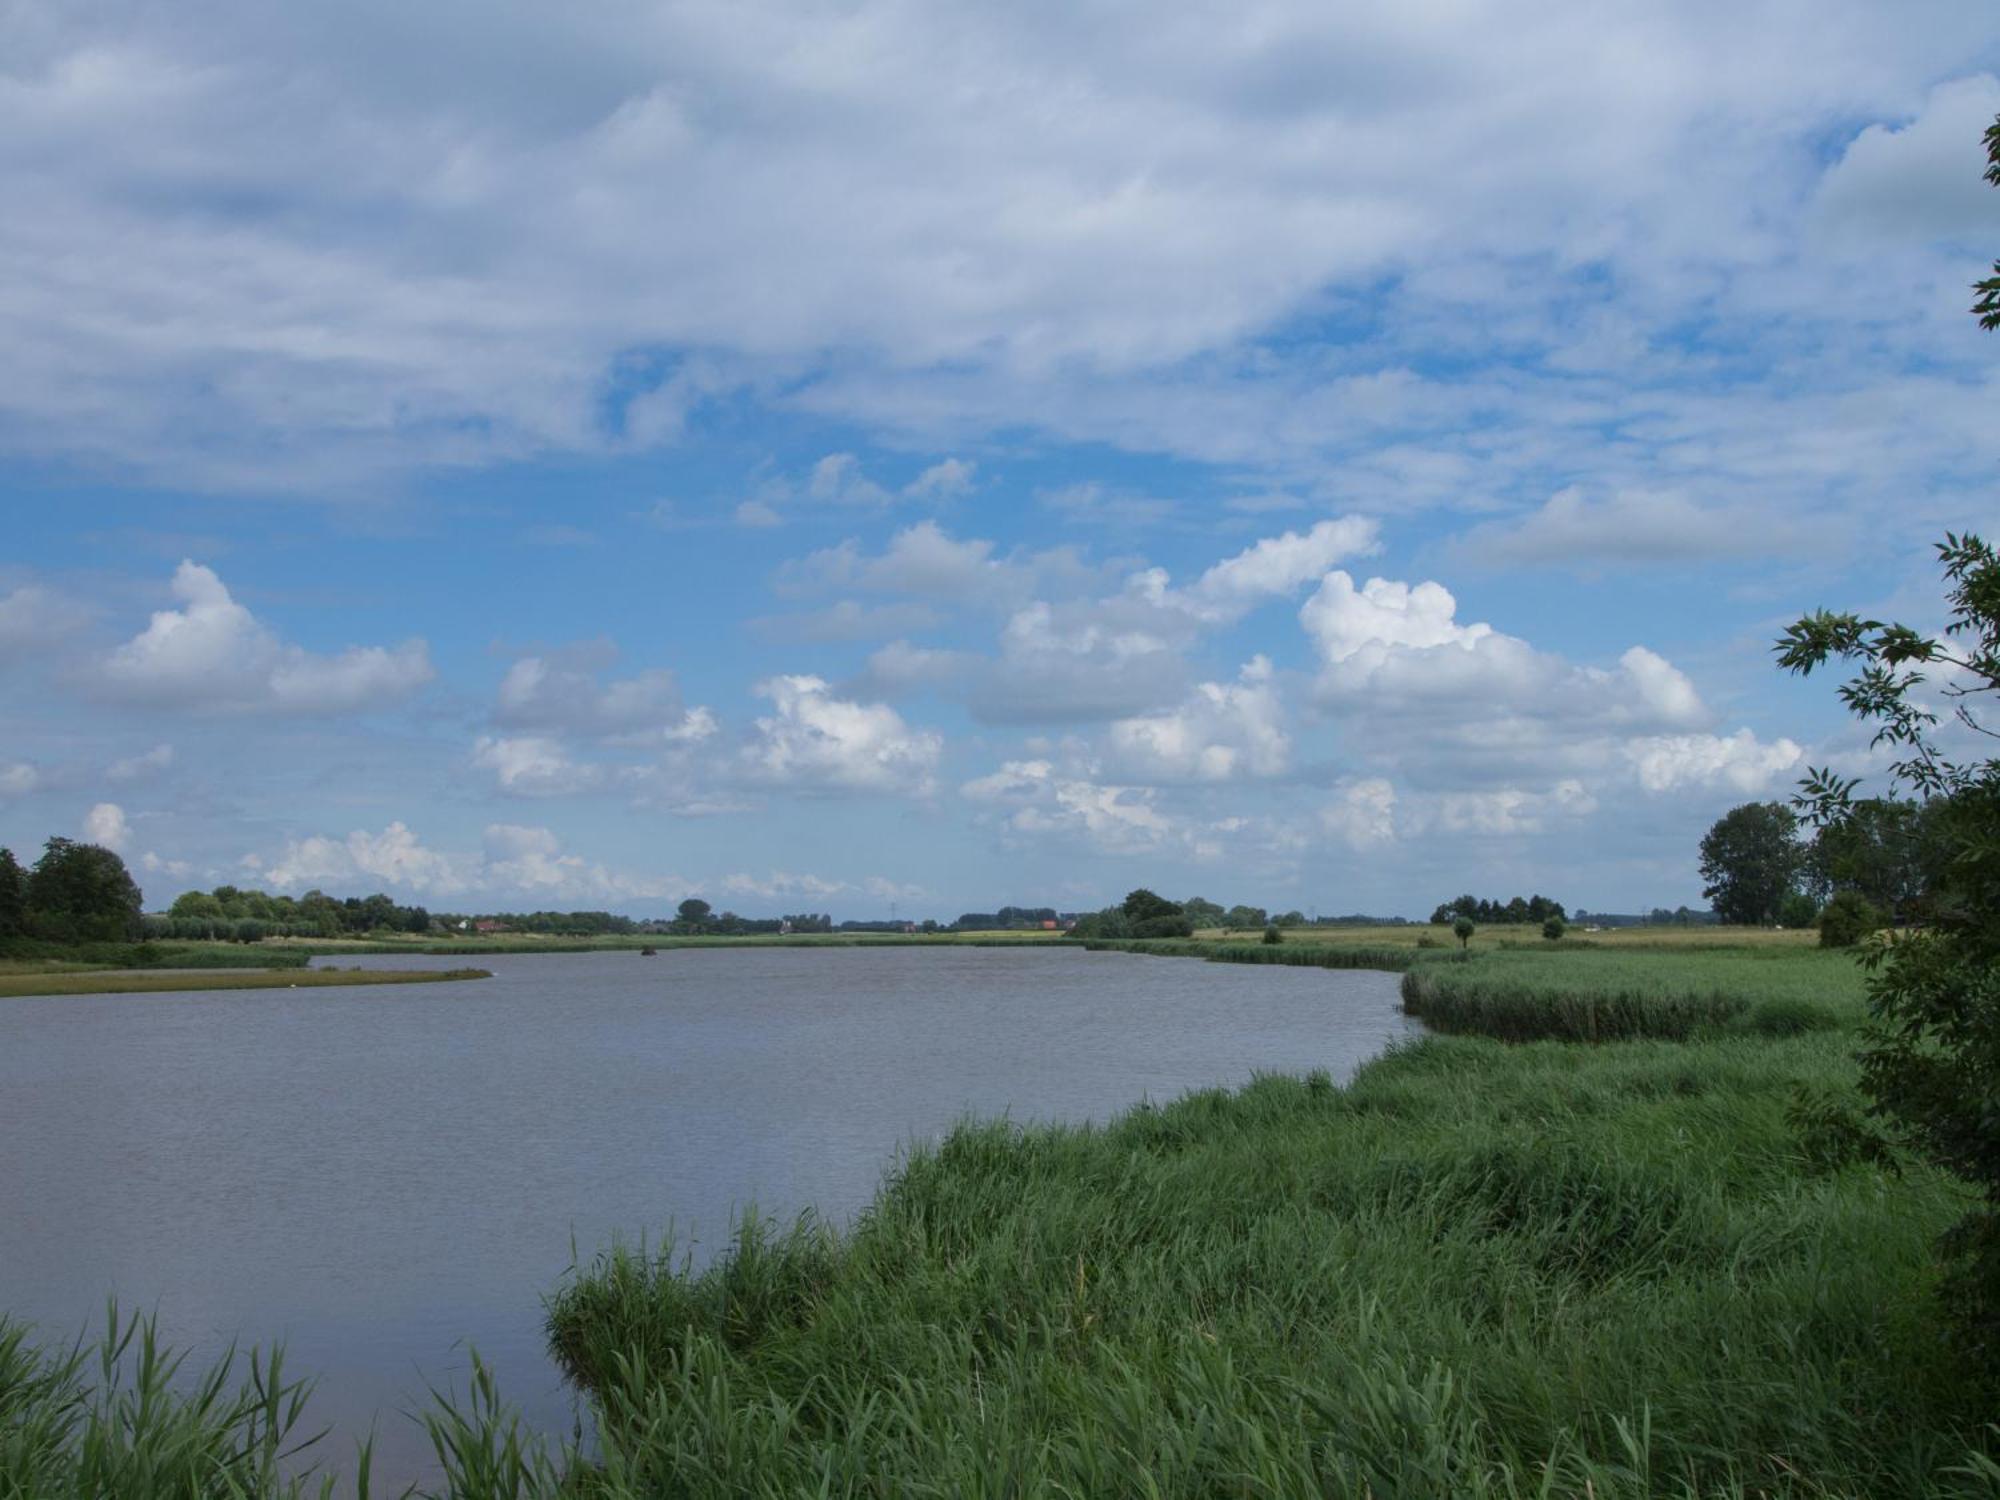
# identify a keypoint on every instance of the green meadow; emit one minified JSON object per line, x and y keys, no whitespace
{"x":1584,"y":1244}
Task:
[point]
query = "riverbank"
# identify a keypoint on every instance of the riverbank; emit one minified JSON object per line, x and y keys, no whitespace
{"x":1487,"y":1268}
{"x":17,"y":985}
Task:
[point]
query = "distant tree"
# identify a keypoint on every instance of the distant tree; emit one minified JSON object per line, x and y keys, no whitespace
{"x":1797,"y":910}
{"x":1463,"y":929}
{"x":1751,"y":859}
{"x":1849,"y":918}
{"x":1554,"y":928}
{"x":1272,"y":936}
{"x":1245,"y":917}
{"x":1290,"y":919}
{"x":1149,"y":916}
{"x":1202,"y":913}
{"x":81,"y":893}
{"x":13,"y":894}
{"x":693,"y":913}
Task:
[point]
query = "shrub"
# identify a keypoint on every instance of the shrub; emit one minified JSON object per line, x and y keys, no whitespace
{"x":1554,"y":928}
{"x":1273,"y":936}
{"x":1848,"y":919}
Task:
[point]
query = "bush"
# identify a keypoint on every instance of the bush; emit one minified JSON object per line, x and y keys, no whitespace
{"x":1272,"y":935}
{"x":1163,"y":927}
{"x":1849,"y":918}
{"x":1463,"y":930}
{"x":1554,"y":928}
{"x":1798,"y":910}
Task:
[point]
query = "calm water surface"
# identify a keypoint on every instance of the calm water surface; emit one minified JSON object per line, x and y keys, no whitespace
{"x":383,"y":1176}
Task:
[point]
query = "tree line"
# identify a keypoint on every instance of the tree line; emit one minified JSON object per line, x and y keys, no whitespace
{"x":74,"y":893}
{"x":1515,"y":911}
{"x":1882,"y":862}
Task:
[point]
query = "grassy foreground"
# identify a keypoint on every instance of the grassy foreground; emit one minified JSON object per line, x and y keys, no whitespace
{"x":153,"y":981}
{"x":1484,"y":1268}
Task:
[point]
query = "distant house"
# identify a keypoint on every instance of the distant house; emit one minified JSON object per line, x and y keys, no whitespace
{"x":490,"y":926}
{"x":1050,"y":924}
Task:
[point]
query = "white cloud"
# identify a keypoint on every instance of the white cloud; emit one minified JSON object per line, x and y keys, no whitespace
{"x":1635,"y":528}
{"x":1921,"y":177}
{"x":817,"y":740}
{"x":1364,"y":814}
{"x":106,"y":824}
{"x":513,"y":861}
{"x":534,"y":766}
{"x":19,"y":778}
{"x":34,"y":619}
{"x":1278,"y":566}
{"x":948,"y":479}
{"x":1222,"y":731}
{"x":1044,"y":801}
{"x":213,"y":653}
{"x":560,"y":691}
{"x":1738,"y":762}
{"x":141,"y":767}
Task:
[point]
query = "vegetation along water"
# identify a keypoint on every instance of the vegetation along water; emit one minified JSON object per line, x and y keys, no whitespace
{"x":1504,"y":1261}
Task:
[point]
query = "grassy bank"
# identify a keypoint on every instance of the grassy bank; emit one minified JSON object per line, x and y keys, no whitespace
{"x":152,"y":981}
{"x":1481,"y":1269}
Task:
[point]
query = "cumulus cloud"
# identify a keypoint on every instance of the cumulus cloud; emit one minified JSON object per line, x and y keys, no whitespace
{"x":1363,"y":815}
{"x":1737,"y":762}
{"x":1394,"y":648}
{"x":1279,"y":566}
{"x":19,"y":778}
{"x":106,"y":824}
{"x":1222,"y":731}
{"x":513,"y":860}
{"x":534,"y":766}
{"x":212,"y":653}
{"x":816,"y":740}
{"x":1040,"y":800}
{"x":559,"y":691}
{"x":141,"y":767}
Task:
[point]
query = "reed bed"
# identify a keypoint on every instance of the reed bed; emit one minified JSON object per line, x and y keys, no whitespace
{"x":1303,"y":955}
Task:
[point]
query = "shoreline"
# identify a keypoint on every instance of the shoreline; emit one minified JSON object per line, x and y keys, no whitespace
{"x":166,"y":981}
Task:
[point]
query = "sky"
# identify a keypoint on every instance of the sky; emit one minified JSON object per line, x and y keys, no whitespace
{"x":865,"y":456}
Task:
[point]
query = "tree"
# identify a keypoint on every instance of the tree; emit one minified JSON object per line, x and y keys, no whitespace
{"x":1150,"y":916}
{"x":13,"y":894}
{"x":1930,"y":1062}
{"x":1272,"y":936}
{"x":1750,"y":860}
{"x":1849,"y":918}
{"x":1797,"y":910}
{"x":1554,"y":928}
{"x":1290,"y":919}
{"x":1986,"y":305}
{"x":1245,"y":917}
{"x":693,"y":913}
{"x":1462,"y":929}
{"x":1202,"y":913}
{"x":81,"y":893}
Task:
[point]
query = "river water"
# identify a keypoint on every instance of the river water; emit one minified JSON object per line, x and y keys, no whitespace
{"x":386,"y":1176}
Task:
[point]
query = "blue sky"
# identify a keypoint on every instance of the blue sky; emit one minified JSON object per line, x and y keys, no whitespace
{"x":820,"y":456}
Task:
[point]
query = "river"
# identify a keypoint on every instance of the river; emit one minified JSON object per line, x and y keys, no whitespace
{"x":385,"y":1176}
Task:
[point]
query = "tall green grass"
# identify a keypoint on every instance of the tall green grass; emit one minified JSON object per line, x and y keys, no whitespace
{"x":122,"y":1419}
{"x":1479,"y":1270}
{"x":1599,"y":996}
